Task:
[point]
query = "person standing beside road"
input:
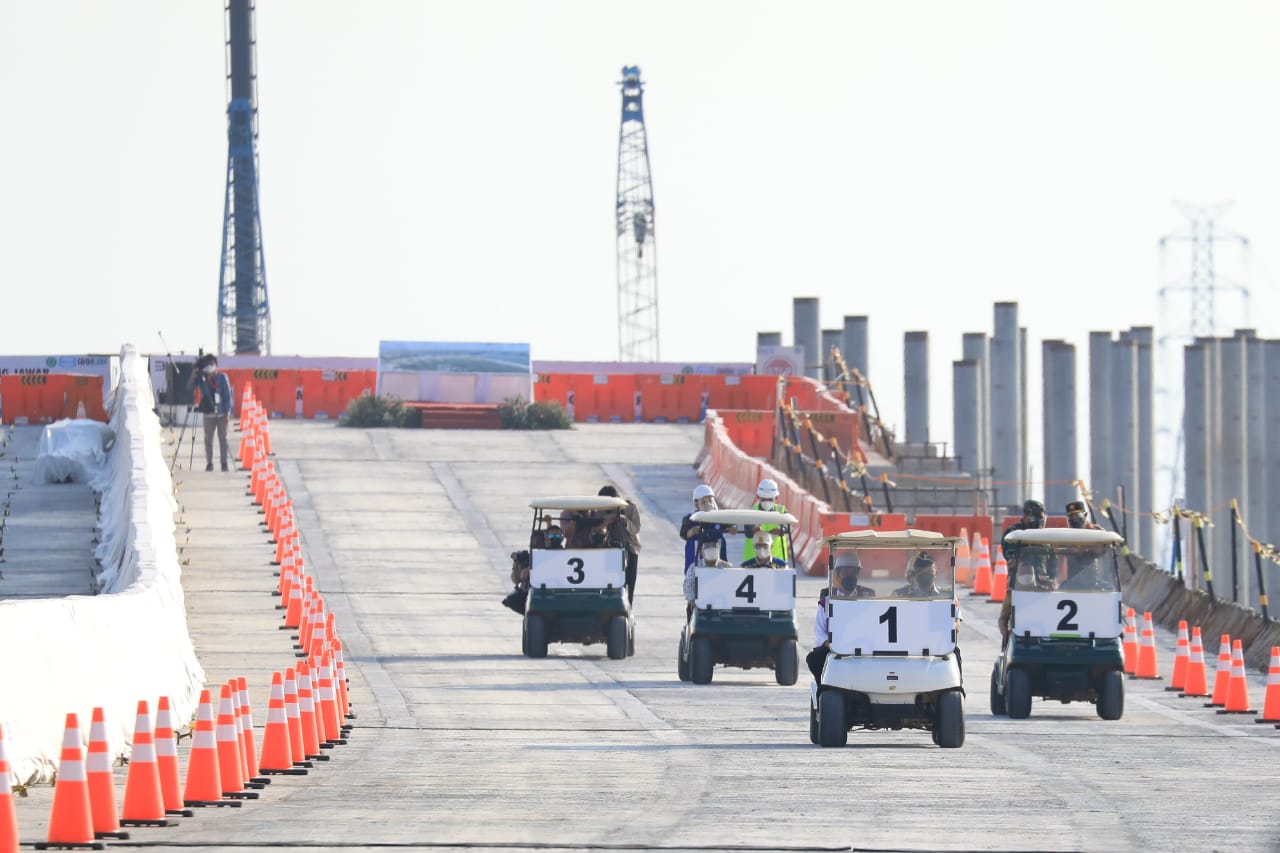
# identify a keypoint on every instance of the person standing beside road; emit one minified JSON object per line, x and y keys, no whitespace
{"x":215,"y":405}
{"x":766,"y":493}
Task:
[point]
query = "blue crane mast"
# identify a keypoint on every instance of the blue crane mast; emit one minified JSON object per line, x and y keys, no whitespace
{"x":637,"y":250}
{"x":244,"y":316}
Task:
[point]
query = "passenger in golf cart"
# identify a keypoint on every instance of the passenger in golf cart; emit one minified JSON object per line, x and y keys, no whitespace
{"x":739,"y":616}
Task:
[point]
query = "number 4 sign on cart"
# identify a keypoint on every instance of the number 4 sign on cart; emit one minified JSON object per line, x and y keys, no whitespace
{"x":755,"y":589}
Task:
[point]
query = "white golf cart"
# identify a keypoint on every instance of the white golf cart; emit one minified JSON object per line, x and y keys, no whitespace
{"x":1065,"y":623}
{"x":578,"y":594}
{"x":892,"y":662}
{"x":741,"y":617}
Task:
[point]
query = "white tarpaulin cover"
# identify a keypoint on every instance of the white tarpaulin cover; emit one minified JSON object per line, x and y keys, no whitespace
{"x":128,"y":643}
{"x":73,"y":451}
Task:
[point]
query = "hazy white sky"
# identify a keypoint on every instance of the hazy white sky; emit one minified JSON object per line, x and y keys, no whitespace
{"x":445,"y":171}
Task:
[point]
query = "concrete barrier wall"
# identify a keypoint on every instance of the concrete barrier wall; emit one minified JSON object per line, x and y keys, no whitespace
{"x":1149,"y":588}
{"x":128,"y":643}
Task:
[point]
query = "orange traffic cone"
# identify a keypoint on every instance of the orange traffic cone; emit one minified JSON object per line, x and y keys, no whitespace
{"x":1000,"y":579}
{"x":1178,"y":681}
{"x":328,"y":709}
{"x":1130,"y":643}
{"x":277,"y":755}
{"x":292,"y":712}
{"x":102,"y":784}
{"x":963,"y":566}
{"x":1238,"y":688}
{"x":1147,"y":666}
{"x":143,"y":800}
{"x":204,"y":782}
{"x":71,"y":818}
{"x":1197,"y":680}
{"x":166,"y":743}
{"x":8,"y":812}
{"x":230,"y":770}
{"x":1221,"y":677}
{"x":249,"y":751}
{"x":982,"y":572}
{"x":344,"y":700}
{"x":307,"y":713}
{"x":1270,"y":702}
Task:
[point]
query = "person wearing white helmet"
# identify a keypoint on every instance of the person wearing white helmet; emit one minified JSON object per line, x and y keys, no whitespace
{"x":767,"y":494}
{"x":704,"y":500}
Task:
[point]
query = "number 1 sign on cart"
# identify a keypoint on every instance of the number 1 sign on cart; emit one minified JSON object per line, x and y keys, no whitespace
{"x":895,"y":626}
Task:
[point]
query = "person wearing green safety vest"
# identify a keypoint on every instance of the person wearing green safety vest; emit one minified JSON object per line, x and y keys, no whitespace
{"x":767,"y":491}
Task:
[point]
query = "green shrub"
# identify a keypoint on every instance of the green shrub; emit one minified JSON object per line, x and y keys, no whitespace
{"x":369,"y":410}
{"x":519,"y":413}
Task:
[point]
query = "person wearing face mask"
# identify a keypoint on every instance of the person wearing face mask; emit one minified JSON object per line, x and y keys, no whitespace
{"x":845,"y":585}
{"x":767,"y":494}
{"x":555,"y":538}
{"x":920,"y":579}
{"x":1078,"y":517}
{"x":707,"y":554}
{"x":215,"y":405}
{"x":762,"y":555}
{"x":704,"y":500}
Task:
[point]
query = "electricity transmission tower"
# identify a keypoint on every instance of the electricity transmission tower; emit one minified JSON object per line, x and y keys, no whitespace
{"x":637,"y":244}
{"x":244,"y":317}
{"x":1184,"y":320}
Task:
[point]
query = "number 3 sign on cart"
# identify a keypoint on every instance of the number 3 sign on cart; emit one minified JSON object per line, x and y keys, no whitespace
{"x":581,"y":568}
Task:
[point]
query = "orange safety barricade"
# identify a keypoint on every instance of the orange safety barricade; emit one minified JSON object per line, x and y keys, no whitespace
{"x":743,"y":392}
{"x":671,"y":398}
{"x":274,"y":388}
{"x":548,"y":387}
{"x":326,"y":393}
{"x":951,"y":525}
{"x":32,"y":398}
{"x":751,"y":432}
{"x":606,"y":398}
{"x":82,"y":397}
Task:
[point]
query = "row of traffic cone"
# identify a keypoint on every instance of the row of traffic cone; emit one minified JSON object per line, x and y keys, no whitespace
{"x":974,"y":567}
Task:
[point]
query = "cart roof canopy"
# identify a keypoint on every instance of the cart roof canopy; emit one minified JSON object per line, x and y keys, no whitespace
{"x":1065,"y":536}
{"x":910,"y":538}
{"x":743,"y":516}
{"x":578,"y":502}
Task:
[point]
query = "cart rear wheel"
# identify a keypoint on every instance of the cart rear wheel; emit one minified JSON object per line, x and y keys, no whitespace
{"x":785,"y":663}
{"x":535,"y":635}
{"x":948,"y":728}
{"x":700,"y":662}
{"x":1111,"y":696}
{"x":682,"y":660}
{"x":1017,"y":694}
{"x":997,"y":698}
{"x":617,"y":641}
{"x":832,"y":730}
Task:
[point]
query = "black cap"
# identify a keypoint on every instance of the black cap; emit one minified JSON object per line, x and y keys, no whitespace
{"x":1032,"y":507}
{"x":1075,"y":506}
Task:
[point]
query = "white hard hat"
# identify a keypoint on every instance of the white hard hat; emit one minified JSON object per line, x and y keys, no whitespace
{"x":703,"y":491}
{"x":767,"y":489}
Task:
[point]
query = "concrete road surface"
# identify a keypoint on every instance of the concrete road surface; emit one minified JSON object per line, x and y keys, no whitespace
{"x":461,"y":743}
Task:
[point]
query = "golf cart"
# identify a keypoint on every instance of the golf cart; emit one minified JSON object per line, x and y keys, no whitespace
{"x":578,"y":594}
{"x":741,"y":617}
{"x":1065,"y":623}
{"x":892,"y":661}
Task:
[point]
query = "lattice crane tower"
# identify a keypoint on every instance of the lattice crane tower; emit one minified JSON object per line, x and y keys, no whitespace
{"x":244,"y":317}
{"x":637,"y":243}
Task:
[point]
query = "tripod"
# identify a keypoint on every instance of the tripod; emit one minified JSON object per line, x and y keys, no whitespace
{"x":172,"y":375}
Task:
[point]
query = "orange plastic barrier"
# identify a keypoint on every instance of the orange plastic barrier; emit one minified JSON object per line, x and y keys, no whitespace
{"x":83,"y":392}
{"x":751,"y":432}
{"x":667,"y":398}
{"x":843,"y":427}
{"x":741,"y":392}
{"x":274,"y":388}
{"x":34,"y":398}
{"x":553,"y":386}
{"x":326,"y":393}
{"x":607,"y":398}
{"x":950,"y":525}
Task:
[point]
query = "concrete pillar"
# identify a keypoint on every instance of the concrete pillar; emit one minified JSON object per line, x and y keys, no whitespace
{"x":1271,"y":364}
{"x":1124,"y":433}
{"x":1100,"y":478}
{"x":966,"y":412}
{"x":915,"y":361}
{"x":1006,"y":405}
{"x":1023,"y":444}
{"x":768,"y":339}
{"x":1271,"y":527}
{"x":1254,"y":507}
{"x":1197,"y":446}
{"x":1146,"y":400}
{"x":830,"y":340}
{"x":1233,"y":476}
{"x":805,"y":320}
{"x":975,"y":349}
{"x":1058,"y":359}
{"x":855,"y":343}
